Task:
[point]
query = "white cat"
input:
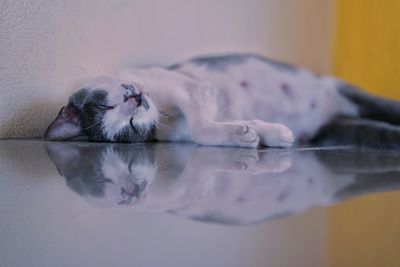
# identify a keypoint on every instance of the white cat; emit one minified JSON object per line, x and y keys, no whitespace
{"x":232,"y":100}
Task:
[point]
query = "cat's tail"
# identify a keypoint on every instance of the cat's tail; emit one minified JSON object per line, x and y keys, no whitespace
{"x":359,"y":132}
{"x":365,"y":120}
{"x":369,"y":106}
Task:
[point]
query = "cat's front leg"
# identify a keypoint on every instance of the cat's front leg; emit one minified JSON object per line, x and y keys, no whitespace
{"x":200,"y":109}
{"x":243,"y":134}
{"x":224,"y":134}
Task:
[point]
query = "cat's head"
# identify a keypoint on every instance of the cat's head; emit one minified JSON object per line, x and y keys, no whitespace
{"x":106,"y":109}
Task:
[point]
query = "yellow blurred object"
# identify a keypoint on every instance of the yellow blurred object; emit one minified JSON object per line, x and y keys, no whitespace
{"x":367,"y":48}
{"x":367,"y":53}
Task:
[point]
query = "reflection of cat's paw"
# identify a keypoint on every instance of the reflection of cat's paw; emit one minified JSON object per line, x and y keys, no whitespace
{"x":247,"y":161}
{"x":246,"y":136}
{"x":275,"y":161}
{"x":257,"y":161}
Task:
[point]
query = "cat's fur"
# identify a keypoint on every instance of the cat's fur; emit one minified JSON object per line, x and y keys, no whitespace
{"x":231,"y":100}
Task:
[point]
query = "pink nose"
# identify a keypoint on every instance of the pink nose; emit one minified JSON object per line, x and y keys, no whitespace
{"x":132,"y":102}
{"x":127,"y":97}
{"x":138,"y":97}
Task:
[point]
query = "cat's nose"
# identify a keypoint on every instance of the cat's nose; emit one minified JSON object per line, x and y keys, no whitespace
{"x":137,"y":97}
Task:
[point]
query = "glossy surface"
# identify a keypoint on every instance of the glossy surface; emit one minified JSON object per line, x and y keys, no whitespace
{"x":86,"y":204}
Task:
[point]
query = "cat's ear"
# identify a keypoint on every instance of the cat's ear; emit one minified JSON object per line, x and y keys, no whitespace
{"x":67,"y":125}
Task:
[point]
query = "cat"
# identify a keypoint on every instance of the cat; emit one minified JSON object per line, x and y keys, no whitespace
{"x":219,"y":184}
{"x":242,"y":100}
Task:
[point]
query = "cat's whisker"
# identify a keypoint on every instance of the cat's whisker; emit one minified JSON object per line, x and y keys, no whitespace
{"x":161,"y":124}
{"x":91,"y":126}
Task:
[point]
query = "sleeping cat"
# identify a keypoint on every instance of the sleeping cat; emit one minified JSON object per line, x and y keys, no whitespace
{"x":240,"y":100}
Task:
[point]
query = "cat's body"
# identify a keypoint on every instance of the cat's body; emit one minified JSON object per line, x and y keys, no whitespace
{"x":232,"y":100}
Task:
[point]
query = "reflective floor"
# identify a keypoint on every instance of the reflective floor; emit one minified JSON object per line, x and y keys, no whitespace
{"x":87,"y":204}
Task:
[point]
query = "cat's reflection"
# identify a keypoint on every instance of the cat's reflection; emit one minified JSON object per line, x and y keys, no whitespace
{"x":224,"y":185}
{"x":105,"y":175}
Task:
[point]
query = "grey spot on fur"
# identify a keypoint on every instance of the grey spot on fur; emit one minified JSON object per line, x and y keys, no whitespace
{"x":286,"y":89}
{"x":244,"y":84}
{"x":78,"y":99}
{"x":283,"y":196}
{"x":222,"y":62}
{"x":313,"y":105}
{"x":92,"y":115}
{"x":89,"y":104}
{"x":240,"y":199}
{"x":278,"y":65}
{"x":174,"y":66}
{"x":130,"y":89}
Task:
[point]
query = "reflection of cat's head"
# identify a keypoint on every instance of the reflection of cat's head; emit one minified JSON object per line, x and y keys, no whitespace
{"x":104,"y":175}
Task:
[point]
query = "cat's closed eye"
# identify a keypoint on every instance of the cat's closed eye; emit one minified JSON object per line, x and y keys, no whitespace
{"x":103,"y":107}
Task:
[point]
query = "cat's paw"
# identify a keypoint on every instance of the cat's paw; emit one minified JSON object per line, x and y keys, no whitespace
{"x":273,"y":134}
{"x":279,"y":136}
{"x":246,"y":136}
{"x":226,"y":134}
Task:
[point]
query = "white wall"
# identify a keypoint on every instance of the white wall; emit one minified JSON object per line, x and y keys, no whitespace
{"x":49,"y":47}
